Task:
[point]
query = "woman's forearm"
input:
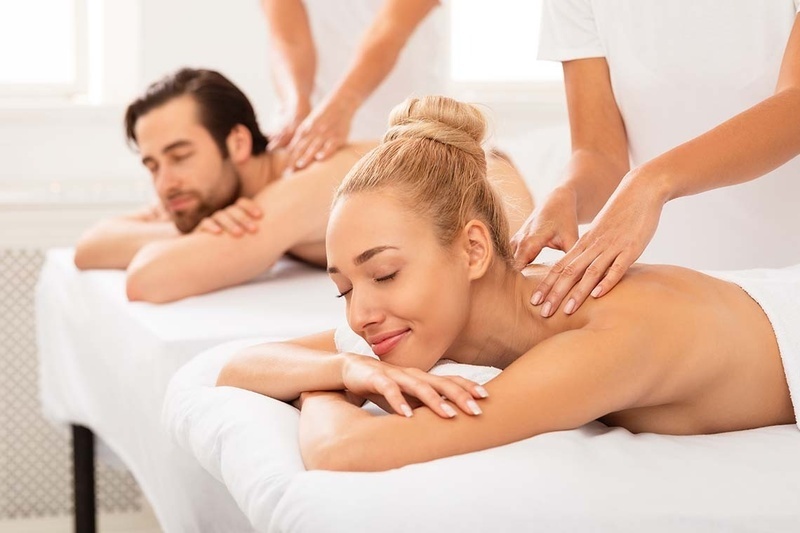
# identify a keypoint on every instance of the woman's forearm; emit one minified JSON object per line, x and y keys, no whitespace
{"x":743,"y":148}
{"x":283,"y":370}
{"x":591,"y":177}
{"x":379,"y":50}
{"x":293,"y":53}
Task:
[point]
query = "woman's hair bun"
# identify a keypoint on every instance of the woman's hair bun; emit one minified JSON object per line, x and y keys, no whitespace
{"x":439,"y":119}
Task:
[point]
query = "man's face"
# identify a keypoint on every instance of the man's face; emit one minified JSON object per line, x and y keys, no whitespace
{"x":190,"y":175}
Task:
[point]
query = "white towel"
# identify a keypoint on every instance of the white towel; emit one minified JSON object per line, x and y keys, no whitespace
{"x":777,"y":291}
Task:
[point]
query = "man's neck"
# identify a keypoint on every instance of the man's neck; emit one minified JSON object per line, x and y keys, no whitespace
{"x":502,"y":324}
{"x":256,"y":173}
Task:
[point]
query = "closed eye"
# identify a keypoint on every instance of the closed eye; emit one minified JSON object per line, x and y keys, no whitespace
{"x":386,"y":278}
{"x":345,"y":293}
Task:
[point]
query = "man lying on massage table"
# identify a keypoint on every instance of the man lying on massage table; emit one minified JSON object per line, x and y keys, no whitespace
{"x":226,"y":211}
{"x":417,"y":245}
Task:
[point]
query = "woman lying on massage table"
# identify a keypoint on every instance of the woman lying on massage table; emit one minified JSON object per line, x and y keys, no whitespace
{"x":418,"y":246}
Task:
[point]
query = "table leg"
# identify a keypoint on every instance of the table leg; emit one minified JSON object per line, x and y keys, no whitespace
{"x":83,"y":481}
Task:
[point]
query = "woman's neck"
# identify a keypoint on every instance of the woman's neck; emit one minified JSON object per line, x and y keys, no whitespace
{"x":502,"y":324}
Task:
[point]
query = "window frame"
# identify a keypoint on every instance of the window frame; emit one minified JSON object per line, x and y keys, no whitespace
{"x":60,"y":90}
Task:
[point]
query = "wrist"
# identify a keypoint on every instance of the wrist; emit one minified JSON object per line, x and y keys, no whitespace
{"x":655,"y":181}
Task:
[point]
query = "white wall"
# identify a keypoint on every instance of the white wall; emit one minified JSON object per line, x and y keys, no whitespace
{"x":64,"y":165}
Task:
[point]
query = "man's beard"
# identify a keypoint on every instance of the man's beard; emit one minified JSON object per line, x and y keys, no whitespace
{"x":187,"y":221}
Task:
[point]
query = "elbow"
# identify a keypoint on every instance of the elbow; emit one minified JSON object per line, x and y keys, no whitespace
{"x":142,"y":286}
{"x":229,"y":374}
{"x":328,"y":453}
{"x":82,"y":259}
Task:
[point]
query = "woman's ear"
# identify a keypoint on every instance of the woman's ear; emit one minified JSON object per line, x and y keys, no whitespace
{"x":239,"y":143}
{"x":478,"y":243}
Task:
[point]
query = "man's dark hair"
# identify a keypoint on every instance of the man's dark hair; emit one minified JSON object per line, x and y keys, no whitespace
{"x":222,"y":105}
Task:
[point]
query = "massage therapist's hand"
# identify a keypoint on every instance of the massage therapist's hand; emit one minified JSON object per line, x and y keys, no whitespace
{"x":615,"y":240}
{"x":290,"y":119}
{"x":322,"y":133}
{"x":365,"y":376}
{"x":236,"y":219}
{"x":553,"y":225}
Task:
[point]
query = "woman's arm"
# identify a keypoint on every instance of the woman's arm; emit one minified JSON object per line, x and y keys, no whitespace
{"x":598,"y":161}
{"x":283,"y":370}
{"x":563,"y":383}
{"x":328,"y":126}
{"x":294,"y":62}
{"x":743,"y":148}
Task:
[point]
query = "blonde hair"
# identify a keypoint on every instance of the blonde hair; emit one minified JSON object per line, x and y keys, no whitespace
{"x":432,"y":155}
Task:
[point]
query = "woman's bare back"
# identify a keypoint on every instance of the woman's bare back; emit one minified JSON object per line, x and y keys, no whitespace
{"x":714,"y":349}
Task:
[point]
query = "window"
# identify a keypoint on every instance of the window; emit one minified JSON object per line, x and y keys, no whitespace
{"x":494,"y":46}
{"x":44,"y":47}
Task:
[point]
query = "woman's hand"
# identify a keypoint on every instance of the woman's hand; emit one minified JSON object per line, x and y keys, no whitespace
{"x":290,"y":119}
{"x":321,"y":134}
{"x":236,"y":219}
{"x":615,"y":240}
{"x":365,"y":376}
{"x":553,"y":225}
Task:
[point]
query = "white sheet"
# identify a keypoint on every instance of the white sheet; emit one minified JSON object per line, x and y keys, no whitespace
{"x":590,"y":479}
{"x":106,"y":363}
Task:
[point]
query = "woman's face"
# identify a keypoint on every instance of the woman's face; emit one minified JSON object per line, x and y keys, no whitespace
{"x":407,"y":295}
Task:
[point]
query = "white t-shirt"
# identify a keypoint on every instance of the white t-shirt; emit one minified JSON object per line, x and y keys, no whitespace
{"x":678,"y":69}
{"x":337,"y":27}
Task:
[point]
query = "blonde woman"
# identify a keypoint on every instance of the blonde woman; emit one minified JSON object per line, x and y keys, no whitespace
{"x":418,"y":246}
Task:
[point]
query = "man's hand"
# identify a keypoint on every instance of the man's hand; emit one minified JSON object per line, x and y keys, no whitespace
{"x":236,"y":219}
{"x":615,"y":240}
{"x":553,"y":225}
{"x":323,"y":132}
{"x":364,"y":376}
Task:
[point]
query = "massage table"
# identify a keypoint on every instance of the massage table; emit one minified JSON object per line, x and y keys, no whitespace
{"x":594,"y":478}
{"x":105,"y":364}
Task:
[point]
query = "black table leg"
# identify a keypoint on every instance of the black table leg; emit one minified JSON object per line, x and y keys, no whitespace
{"x":83,"y":481}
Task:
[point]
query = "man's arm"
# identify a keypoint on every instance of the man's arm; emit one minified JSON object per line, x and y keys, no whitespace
{"x":113,"y":243}
{"x":295,"y":212}
{"x":562,"y":383}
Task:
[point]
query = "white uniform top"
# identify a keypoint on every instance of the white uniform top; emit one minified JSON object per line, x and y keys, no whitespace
{"x":337,"y":28}
{"x":679,"y":68}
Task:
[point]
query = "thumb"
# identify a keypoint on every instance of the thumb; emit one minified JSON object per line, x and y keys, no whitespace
{"x":527,"y":249}
{"x":568,"y":238}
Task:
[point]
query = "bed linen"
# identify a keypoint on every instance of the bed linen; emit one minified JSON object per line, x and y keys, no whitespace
{"x":105,"y":363}
{"x":593,"y":478}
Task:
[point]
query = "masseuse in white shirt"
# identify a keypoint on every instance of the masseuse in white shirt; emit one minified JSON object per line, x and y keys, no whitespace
{"x":667,"y":100}
{"x":341,"y":66}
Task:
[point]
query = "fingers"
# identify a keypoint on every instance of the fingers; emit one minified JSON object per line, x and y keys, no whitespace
{"x":309,"y":152}
{"x":328,"y":149}
{"x":526,"y":248}
{"x":614,"y":273}
{"x":208,"y":225}
{"x":560,"y":279}
{"x":250,"y":207}
{"x":432,"y":390}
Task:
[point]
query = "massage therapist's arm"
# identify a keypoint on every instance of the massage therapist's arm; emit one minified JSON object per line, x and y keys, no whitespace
{"x":294,"y":63}
{"x":598,"y":161}
{"x":295,"y":211}
{"x":563,"y":383}
{"x":328,"y":125}
{"x":113,"y":243}
{"x":743,"y":148}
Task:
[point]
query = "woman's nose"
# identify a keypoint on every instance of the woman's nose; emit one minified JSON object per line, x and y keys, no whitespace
{"x":363,"y":312}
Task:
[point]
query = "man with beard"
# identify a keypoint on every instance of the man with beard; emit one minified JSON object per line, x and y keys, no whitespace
{"x":226,"y":209}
